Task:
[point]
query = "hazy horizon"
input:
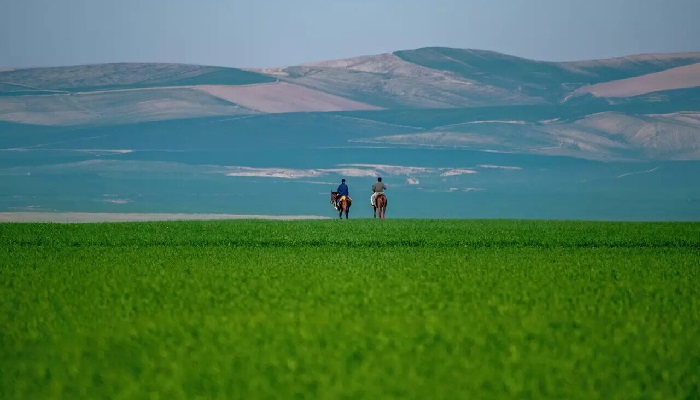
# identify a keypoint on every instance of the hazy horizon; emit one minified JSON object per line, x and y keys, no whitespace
{"x":10,"y":67}
{"x":43,"y":33}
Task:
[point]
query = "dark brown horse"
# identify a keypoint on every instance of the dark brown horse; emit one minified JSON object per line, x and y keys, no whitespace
{"x":342,"y":205}
{"x":380,"y":203}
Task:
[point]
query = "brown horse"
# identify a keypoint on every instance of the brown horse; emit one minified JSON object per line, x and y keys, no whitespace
{"x":380,"y":203}
{"x":341,"y":206}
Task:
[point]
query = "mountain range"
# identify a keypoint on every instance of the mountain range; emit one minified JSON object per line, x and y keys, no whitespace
{"x":441,"y":122}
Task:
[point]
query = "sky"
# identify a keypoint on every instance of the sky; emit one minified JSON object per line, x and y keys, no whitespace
{"x":268,"y":33}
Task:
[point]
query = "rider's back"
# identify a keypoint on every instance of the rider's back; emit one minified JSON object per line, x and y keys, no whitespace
{"x":343,"y":190}
{"x":378,"y":187}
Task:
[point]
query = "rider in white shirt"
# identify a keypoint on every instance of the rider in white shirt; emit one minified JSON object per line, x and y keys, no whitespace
{"x":377,"y":188}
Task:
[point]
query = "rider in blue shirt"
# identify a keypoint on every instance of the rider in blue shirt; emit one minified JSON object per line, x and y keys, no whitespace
{"x":342,"y":191}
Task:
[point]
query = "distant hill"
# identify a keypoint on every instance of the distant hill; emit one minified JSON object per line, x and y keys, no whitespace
{"x":635,"y":107}
{"x":446,"y":77}
{"x":102,"y":77}
{"x":454,"y":133}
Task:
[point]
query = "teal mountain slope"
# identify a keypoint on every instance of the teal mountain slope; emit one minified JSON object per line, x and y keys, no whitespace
{"x":101,"y":77}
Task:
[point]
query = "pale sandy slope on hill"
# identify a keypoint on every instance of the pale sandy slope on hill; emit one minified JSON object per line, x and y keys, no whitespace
{"x":675,"y":78}
{"x":283,"y":97}
{"x":386,"y":63}
{"x":603,"y":136}
{"x":114,"y":106}
{"x":154,"y":104}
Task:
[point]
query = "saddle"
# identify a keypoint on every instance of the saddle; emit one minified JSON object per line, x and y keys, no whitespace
{"x":335,"y":199}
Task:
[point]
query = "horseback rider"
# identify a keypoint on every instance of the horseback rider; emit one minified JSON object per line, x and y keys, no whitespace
{"x":342,"y":191}
{"x":377,"y":188}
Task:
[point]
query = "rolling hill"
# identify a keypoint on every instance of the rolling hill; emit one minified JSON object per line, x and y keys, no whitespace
{"x":440,"y":122}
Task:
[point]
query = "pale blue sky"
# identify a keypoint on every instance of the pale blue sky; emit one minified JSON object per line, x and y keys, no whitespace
{"x":265,"y":33}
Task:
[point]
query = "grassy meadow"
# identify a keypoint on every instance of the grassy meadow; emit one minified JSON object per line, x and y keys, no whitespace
{"x":357,"y":309}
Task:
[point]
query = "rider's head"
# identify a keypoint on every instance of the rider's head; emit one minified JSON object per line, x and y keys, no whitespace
{"x":342,"y":180}
{"x":379,"y":179}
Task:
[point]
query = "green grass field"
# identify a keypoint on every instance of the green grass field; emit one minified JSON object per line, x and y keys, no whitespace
{"x":358,"y":309}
